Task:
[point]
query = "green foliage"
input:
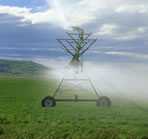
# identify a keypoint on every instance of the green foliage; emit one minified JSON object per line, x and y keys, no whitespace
{"x":1,"y":131}
{"x":4,"y":120}
{"x":22,"y":117}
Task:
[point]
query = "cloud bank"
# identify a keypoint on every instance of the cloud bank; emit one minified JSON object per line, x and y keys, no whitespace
{"x":118,"y":24}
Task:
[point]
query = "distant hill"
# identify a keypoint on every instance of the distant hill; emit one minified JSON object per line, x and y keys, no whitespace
{"x":16,"y":67}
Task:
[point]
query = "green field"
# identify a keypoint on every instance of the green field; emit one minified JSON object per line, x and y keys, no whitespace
{"x":22,"y":117}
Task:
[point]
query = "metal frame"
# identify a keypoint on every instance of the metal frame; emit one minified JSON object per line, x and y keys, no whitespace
{"x":71,"y":42}
{"x":77,"y":44}
{"x":69,"y":45}
{"x":74,"y":39}
{"x":76,"y":99}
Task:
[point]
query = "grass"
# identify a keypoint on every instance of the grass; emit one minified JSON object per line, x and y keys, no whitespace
{"x":22,"y":117}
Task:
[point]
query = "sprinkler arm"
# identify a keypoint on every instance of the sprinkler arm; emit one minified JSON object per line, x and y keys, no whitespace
{"x":77,"y":43}
{"x":73,"y":39}
{"x":93,"y":41}
{"x":67,"y":50}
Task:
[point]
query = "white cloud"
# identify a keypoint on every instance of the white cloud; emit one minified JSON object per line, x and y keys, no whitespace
{"x":15,"y":11}
{"x":129,"y":54}
{"x":107,"y":29}
{"x":27,"y":15}
{"x":136,"y":8}
{"x":60,"y":13}
{"x":76,"y":13}
{"x":65,"y":13}
{"x":117,"y":32}
{"x":131,"y":34}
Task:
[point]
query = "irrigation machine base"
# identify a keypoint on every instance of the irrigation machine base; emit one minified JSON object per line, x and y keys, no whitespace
{"x":101,"y":101}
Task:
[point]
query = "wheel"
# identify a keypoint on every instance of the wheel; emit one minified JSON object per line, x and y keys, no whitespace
{"x":48,"y":102}
{"x":103,"y":102}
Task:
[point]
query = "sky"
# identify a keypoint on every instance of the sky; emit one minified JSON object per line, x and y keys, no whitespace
{"x":29,"y":28}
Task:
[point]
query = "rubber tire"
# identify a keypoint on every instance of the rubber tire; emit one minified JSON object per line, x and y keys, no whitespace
{"x":103,"y":101}
{"x":48,"y":102}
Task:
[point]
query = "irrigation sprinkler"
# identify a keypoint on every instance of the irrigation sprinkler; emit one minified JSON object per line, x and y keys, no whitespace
{"x":76,"y":46}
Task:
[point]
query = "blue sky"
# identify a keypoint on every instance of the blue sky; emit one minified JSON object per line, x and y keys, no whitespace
{"x":29,"y":28}
{"x":24,"y":3}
